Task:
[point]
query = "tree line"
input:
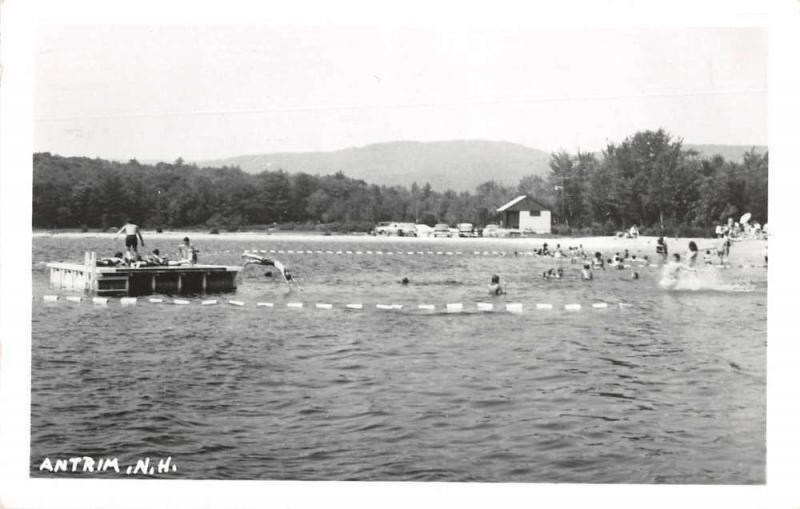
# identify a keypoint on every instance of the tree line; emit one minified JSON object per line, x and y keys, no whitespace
{"x":649,"y":179}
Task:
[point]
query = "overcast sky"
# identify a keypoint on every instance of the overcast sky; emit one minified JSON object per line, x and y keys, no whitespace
{"x":201,"y":92}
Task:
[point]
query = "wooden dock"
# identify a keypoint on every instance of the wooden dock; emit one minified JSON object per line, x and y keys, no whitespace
{"x":123,"y":280}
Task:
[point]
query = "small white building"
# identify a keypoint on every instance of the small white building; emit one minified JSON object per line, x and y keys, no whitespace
{"x":526,"y":214}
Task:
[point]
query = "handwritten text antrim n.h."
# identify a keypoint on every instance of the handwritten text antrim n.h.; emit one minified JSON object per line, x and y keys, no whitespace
{"x":142,"y":466}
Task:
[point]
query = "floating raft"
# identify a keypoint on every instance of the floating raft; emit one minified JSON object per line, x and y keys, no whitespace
{"x":179,"y":279}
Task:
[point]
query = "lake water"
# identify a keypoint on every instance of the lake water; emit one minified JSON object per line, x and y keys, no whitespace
{"x":671,"y":389}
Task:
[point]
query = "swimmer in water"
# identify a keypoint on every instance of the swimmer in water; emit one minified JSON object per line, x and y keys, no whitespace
{"x":669,"y":275}
{"x":691,"y":255}
{"x":672,"y":271}
{"x":598,"y":261}
{"x":495,"y":288}
{"x":404,"y":281}
{"x":635,"y":276}
{"x":586,"y":272}
{"x":707,"y":257}
{"x":661,"y":248}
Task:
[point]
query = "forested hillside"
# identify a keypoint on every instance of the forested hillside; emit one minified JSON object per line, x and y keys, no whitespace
{"x":649,"y":179}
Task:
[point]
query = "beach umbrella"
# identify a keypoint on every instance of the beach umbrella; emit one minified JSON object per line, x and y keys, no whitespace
{"x":745,"y":218}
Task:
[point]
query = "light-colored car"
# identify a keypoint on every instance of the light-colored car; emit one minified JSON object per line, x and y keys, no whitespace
{"x":383,"y":228}
{"x":492,"y":230}
{"x":423,"y":230}
{"x":394,"y":228}
{"x":407,"y":229}
{"x":466,"y":230}
{"x":442,"y":230}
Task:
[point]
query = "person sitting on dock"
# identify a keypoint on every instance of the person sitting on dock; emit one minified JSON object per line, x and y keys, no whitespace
{"x":132,"y":235}
{"x":187,"y":252}
{"x":155,"y":258}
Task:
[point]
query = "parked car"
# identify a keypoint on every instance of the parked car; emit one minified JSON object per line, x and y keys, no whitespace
{"x":423,"y":230}
{"x":442,"y":230}
{"x":406,"y":229}
{"x":382,"y":228}
{"x":492,"y":230}
{"x":466,"y":230}
{"x":393,"y":228}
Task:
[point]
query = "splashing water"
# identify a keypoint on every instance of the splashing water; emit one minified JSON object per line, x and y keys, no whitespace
{"x":703,"y":279}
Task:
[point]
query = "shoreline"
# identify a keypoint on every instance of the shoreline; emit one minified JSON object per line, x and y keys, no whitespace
{"x":745,"y":251}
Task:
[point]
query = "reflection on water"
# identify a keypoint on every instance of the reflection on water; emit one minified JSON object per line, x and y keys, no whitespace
{"x":670,"y":390}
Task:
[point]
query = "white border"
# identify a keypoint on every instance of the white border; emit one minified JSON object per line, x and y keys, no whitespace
{"x":18,"y":20}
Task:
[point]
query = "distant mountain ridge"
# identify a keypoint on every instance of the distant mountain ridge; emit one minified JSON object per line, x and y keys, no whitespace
{"x":459,"y":165}
{"x":733,"y":153}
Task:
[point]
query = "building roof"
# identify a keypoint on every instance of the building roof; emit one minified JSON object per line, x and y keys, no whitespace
{"x":523,"y":202}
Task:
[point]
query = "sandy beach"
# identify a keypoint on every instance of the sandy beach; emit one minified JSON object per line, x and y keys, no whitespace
{"x":748,"y":251}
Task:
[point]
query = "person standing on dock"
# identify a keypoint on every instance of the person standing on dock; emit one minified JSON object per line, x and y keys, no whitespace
{"x":132,"y":235}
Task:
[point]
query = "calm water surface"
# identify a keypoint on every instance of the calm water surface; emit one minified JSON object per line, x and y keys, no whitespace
{"x":670,"y":390}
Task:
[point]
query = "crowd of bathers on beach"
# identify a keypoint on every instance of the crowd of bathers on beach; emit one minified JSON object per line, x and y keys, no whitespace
{"x":672,"y":266}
